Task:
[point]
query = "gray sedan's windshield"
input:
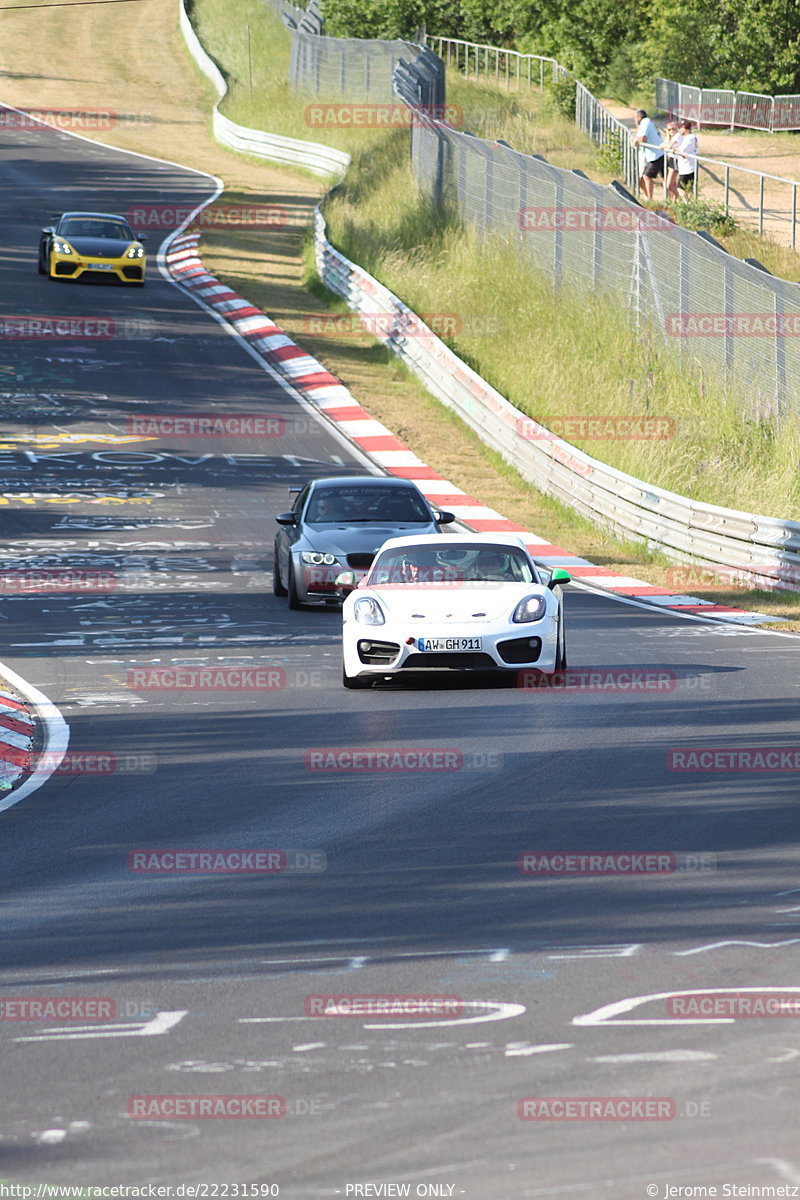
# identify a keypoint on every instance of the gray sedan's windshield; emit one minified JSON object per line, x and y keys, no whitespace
{"x":390,"y":506}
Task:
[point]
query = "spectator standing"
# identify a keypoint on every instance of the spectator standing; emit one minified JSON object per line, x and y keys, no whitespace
{"x":686,"y":149}
{"x":651,"y":155}
{"x":669,"y":144}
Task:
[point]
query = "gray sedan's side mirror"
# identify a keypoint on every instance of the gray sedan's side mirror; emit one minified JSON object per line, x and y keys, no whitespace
{"x":289,"y":518}
{"x":443,"y":518}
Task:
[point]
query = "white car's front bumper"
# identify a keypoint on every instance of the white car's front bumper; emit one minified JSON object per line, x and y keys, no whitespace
{"x":389,"y":648}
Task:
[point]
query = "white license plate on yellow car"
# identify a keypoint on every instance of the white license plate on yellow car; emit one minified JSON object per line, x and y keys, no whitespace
{"x":101,"y":266}
{"x":450,"y":643}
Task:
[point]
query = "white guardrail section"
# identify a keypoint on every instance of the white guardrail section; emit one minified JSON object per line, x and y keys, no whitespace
{"x":682,"y":529}
{"x":322,"y":160}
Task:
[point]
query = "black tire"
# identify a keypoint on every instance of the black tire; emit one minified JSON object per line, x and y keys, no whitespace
{"x":291,"y":588}
{"x":42,"y":268}
{"x":277,"y":586}
{"x":353,"y":681}
{"x":561,"y":653}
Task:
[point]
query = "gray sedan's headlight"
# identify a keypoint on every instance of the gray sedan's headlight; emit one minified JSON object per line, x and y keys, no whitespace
{"x":62,"y":247}
{"x":532,"y":608}
{"x":316,"y":559}
{"x":135,"y":252}
{"x":368,"y":612}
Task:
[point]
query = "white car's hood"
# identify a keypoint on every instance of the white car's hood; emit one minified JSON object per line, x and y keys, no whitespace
{"x":461,"y":602}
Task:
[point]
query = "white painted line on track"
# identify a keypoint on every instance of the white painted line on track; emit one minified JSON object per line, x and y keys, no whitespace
{"x":657,"y":1056}
{"x":735,"y":942}
{"x":161,"y":1023}
{"x":606,"y":1014}
{"x":495,"y":1010}
{"x":521,"y":1050}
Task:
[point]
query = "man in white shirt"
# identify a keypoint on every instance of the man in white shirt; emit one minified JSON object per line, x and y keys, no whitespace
{"x":651,"y":156}
{"x":686,"y":149}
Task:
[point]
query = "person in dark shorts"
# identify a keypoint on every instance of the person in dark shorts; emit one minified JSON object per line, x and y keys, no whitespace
{"x":651,"y":155}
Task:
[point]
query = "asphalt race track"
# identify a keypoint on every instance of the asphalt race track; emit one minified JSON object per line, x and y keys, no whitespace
{"x":401,"y":882}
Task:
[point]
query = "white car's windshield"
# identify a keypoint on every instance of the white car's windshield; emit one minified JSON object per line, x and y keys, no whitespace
{"x":463,"y":563}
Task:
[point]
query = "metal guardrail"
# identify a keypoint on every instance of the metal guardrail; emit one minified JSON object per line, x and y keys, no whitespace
{"x":720,"y":106}
{"x":464,"y":55}
{"x":684,"y":530}
{"x":322,"y":160}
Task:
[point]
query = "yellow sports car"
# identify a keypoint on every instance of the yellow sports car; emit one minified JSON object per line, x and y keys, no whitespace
{"x":93,"y":245}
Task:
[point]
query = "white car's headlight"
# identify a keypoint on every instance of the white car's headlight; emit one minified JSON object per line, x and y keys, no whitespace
{"x":368,"y":612}
{"x":62,"y":247}
{"x":135,"y":252}
{"x":532,"y":608}
{"x":315,"y":558}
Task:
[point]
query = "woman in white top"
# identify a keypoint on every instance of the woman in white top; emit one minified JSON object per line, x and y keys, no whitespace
{"x":686,"y":149}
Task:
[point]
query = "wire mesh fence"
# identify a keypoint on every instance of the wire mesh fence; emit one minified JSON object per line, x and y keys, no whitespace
{"x":360,"y":70}
{"x":708,"y":308}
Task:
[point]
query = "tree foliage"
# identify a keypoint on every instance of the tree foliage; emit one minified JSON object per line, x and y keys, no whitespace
{"x":748,"y":45}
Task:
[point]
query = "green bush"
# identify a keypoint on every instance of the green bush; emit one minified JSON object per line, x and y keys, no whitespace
{"x":696,"y":213}
{"x":609,"y":155}
{"x":561,"y":96}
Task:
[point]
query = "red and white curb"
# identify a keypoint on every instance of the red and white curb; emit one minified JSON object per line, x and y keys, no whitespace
{"x":17,"y":728}
{"x":323,"y":390}
{"x":27,"y":717}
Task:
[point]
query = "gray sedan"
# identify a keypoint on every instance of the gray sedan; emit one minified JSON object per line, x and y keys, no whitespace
{"x":339,"y":524}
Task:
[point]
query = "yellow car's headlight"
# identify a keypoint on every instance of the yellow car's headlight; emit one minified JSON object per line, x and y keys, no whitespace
{"x":62,"y":247}
{"x":135,"y":252}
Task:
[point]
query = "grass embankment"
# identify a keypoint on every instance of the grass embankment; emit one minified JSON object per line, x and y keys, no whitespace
{"x":156,"y":79}
{"x":553,"y":356}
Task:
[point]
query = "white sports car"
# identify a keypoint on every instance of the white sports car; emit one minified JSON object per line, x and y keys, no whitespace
{"x":463,"y":602}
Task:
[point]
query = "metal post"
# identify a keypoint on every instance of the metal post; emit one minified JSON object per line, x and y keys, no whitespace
{"x":541,"y":74}
{"x":794,"y":214}
{"x":727,"y":184}
{"x":508,"y":82}
{"x":496,"y":67}
{"x":761,"y":204}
